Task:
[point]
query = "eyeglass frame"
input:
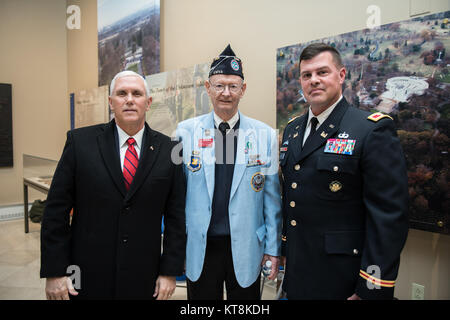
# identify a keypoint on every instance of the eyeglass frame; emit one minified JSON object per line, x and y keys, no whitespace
{"x":225,"y":86}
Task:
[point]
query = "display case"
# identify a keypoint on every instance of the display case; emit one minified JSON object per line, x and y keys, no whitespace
{"x":37,"y":174}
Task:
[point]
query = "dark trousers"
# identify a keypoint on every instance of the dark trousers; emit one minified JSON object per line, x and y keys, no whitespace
{"x":217,"y":269}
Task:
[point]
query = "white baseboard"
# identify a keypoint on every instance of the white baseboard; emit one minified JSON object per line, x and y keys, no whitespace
{"x":13,"y":212}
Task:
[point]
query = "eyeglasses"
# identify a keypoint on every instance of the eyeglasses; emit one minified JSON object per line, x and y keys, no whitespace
{"x":233,"y":87}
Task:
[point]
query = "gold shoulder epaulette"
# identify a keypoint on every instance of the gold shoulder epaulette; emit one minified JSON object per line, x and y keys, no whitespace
{"x":293,"y":119}
{"x":378,"y":116}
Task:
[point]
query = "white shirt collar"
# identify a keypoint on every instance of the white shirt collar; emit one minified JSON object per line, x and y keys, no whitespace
{"x":324,"y":115}
{"x":232,"y":122}
{"x":123,"y":137}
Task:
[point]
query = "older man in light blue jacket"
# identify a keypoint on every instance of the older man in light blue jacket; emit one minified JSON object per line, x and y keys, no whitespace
{"x":233,"y":204}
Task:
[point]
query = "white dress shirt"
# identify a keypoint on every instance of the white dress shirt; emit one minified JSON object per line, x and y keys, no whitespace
{"x":123,"y":145}
{"x":321,"y":118}
{"x":232,"y":122}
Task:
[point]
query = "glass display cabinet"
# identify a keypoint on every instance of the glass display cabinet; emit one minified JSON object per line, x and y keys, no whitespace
{"x":37,"y":174}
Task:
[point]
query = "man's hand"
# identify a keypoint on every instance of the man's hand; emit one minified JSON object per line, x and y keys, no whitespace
{"x":59,"y":288}
{"x":354,"y":297}
{"x":275,"y":265}
{"x":283,"y":261}
{"x":165,"y":286}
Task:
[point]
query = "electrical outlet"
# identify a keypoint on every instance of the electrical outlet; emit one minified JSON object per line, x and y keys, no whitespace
{"x":418,"y":292}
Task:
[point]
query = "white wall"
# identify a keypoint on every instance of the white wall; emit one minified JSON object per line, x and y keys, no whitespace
{"x":33,"y":58}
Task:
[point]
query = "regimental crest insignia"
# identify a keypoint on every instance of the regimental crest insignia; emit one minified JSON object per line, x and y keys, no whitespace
{"x":335,"y":186}
{"x":195,"y":163}
{"x":378,"y":116}
{"x":257,"y":181}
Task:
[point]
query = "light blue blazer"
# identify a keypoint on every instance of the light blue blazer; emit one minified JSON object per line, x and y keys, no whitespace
{"x":255,"y":202}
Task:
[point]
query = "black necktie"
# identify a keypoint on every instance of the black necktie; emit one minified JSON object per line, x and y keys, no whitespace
{"x":223,"y":127}
{"x":314,"y":123}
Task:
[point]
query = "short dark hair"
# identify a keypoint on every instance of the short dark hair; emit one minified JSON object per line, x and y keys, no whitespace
{"x":316,"y":48}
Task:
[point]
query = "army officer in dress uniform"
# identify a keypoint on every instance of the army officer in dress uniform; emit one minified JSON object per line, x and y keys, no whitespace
{"x":345,"y":191}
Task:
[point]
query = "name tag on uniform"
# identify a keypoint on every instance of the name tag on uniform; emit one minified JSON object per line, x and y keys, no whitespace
{"x":340,"y":146}
{"x":205,"y":143}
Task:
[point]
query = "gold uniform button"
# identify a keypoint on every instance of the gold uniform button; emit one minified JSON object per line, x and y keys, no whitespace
{"x":297,"y":167}
{"x":335,"y":168}
{"x":294,"y":185}
{"x":293,"y":223}
{"x":355,"y":251}
{"x":292,"y":204}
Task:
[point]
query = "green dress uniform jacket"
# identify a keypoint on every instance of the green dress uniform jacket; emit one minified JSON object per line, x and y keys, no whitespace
{"x":345,"y":201}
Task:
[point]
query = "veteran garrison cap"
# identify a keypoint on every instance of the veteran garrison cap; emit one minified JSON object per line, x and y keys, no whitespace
{"x":227,"y":63}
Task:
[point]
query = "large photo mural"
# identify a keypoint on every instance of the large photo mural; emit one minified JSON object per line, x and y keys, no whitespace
{"x":177,"y":95}
{"x":128,"y":37}
{"x":401,"y":69}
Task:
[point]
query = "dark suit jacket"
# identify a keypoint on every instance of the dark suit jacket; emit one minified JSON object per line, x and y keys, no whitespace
{"x":115,"y":235}
{"x":344,"y":215}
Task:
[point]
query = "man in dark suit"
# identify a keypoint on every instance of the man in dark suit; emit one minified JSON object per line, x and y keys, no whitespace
{"x":345,"y":191}
{"x":120,"y":181}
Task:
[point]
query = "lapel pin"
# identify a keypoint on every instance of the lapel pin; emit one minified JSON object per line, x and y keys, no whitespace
{"x":151,"y":148}
{"x":323,"y":134}
{"x":331,"y":126}
{"x":295,"y":135}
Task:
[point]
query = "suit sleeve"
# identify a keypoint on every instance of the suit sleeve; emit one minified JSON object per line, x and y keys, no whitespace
{"x":174,"y":243}
{"x":385,"y":192}
{"x":272,"y":201}
{"x":55,"y":229}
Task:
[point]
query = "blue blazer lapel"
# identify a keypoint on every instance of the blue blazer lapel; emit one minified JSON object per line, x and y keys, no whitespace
{"x":208,"y":154}
{"x":240,"y":163}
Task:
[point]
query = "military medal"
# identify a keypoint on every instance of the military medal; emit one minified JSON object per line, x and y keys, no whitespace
{"x":257,"y":181}
{"x":254,"y":161}
{"x":335,"y":186}
{"x":248,"y":146}
{"x":340,"y":146}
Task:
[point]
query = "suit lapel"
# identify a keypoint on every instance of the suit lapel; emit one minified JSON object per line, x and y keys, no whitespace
{"x":240,"y":164}
{"x":149,"y":153}
{"x":296,"y":140}
{"x":107,"y":145}
{"x":208,"y":153}
{"x":325,"y":131}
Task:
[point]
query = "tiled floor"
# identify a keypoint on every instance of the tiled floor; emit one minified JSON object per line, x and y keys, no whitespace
{"x":20,"y":264}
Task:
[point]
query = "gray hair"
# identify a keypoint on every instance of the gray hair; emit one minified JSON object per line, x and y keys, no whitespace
{"x":127,"y":73}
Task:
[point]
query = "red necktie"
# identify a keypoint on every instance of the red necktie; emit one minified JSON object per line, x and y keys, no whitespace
{"x":130,"y":163}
